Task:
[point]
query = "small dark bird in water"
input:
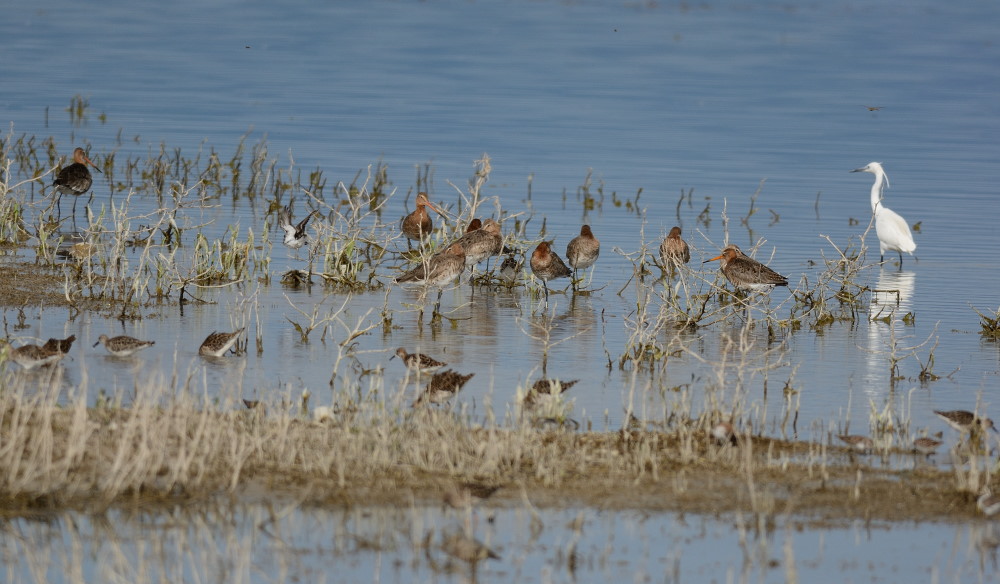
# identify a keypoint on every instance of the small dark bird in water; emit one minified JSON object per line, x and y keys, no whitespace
{"x":75,"y":179}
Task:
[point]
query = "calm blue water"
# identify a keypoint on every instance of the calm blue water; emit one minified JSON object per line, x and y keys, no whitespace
{"x":714,"y":97}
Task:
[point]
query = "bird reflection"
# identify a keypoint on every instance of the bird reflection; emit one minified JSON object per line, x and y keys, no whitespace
{"x":891,"y":299}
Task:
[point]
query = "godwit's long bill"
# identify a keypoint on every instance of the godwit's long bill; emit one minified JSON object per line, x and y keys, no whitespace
{"x":75,"y":179}
{"x":547,"y":265}
{"x":418,"y":225}
{"x":582,"y":251}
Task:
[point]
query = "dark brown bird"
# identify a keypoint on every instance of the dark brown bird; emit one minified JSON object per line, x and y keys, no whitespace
{"x":674,"y":250}
{"x":75,"y":179}
{"x":417,"y":225}
{"x":442,"y":387}
{"x":746,"y":273}
{"x":59,"y":345}
{"x":582,"y":251}
{"x":474,"y":225}
{"x":547,"y":265}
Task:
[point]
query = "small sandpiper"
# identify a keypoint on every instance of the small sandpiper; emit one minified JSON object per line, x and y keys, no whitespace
{"x":442,"y":387}
{"x":964,"y":421}
{"x":122,"y":345}
{"x":418,"y":361}
{"x":926,"y":446}
{"x":295,"y":235}
{"x":31,"y":356}
{"x":859,"y":443}
{"x":217,"y":344}
{"x":723,"y":433}
{"x":547,"y":389}
{"x":60,"y":345}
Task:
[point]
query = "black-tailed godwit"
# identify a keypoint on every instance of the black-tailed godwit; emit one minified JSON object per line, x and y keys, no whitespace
{"x":418,"y":225}
{"x":673,"y":249}
{"x":75,"y":179}
{"x":547,"y":265}
{"x":582,"y":251}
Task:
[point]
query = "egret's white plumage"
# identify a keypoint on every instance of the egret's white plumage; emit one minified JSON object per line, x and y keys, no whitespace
{"x":892,"y":231}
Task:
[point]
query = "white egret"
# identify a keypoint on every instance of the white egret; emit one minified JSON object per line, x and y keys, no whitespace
{"x":892,"y":231}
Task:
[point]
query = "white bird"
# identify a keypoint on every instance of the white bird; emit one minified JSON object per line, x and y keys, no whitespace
{"x":892,"y":231}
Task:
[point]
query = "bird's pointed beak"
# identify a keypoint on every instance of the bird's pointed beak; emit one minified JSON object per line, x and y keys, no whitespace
{"x":97,"y":343}
{"x":90,"y":162}
{"x":858,"y":170}
{"x":435,"y":208}
{"x":718,"y":257}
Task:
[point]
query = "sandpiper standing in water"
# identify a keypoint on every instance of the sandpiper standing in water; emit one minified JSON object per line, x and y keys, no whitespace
{"x":75,"y":179}
{"x":582,"y":251}
{"x":217,"y":344}
{"x":122,"y":345}
{"x":547,"y":265}
{"x":418,"y":361}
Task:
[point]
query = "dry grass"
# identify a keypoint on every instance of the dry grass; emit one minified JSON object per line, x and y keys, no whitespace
{"x":57,"y":455}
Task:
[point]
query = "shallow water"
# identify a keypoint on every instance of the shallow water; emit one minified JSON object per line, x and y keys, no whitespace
{"x":260,"y":543}
{"x":712,"y":97}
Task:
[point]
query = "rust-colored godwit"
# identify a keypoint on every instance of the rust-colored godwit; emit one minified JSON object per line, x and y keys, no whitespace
{"x":746,"y":273}
{"x":474,"y":225}
{"x":295,"y":235}
{"x":419,"y":362}
{"x":582,"y":251}
{"x":217,"y":344}
{"x":547,"y":265}
{"x":75,"y":179}
{"x":122,"y":345}
{"x":417,"y":225}
{"x":439,"y":270}
{"x":674,"y":250}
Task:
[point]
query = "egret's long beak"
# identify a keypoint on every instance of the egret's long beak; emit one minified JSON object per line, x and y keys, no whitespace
{"x":858,"y":170}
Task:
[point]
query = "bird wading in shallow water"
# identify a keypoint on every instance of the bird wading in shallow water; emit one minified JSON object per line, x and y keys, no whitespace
{"x":892,"y":231}
{"x":547,"y":265}
{"x":440,"y":270}
{"x":75,"y":179}
{"x":418,"y":225}
{"x":674,"y":250}
{"x":582,"y":251}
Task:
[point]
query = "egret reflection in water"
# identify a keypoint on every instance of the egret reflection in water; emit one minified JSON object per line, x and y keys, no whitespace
{"x":891,"y":299}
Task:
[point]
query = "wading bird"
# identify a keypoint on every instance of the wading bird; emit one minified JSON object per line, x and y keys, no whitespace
{"x":582,"y":251}
{"x":892,"y":231}
{"x":547,"y":265}
{"x":674,"y":250}
{"x":75,"y":179}
{"x":417,"y":225}
{"x":439,"y":270}
{"x":295,"y":235}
